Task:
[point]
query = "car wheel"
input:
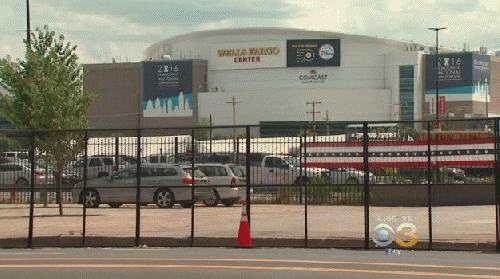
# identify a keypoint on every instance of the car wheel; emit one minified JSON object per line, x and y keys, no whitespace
{"x":164,"y":198}
{"x":91,"y":199}
{"x":21,"y":183}
{"x":213,"y":200}
{"x":115,"y":205}
{"x":187,"y":204}
{"x":228,"y":202}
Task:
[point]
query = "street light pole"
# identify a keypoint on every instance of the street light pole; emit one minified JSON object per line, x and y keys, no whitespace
{"x":233,"y":102}
{"x":438,"y":125}
{"x":28,"y":35}
{"x":487,"y":96}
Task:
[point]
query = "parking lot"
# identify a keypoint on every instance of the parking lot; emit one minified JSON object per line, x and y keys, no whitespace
{"x":271,"y":225}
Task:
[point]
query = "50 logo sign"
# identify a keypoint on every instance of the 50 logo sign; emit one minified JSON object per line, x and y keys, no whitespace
{"x":405,"y":235}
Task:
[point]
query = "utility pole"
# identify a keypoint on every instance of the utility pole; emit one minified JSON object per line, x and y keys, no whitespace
{"x":234,"y":102}
{"x":327,"y":124}
{"x":210,"y":134}
{"x":313,"y":104}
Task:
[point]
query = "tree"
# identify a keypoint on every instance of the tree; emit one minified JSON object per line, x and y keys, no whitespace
{"x":201,"y":133}
{"x":407,"y":130}
{"x":306,"y":133}
{"x":46,"y":93}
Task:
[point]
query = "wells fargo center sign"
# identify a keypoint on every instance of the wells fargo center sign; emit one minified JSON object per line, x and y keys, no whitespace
{"x":275,"y":54}
{"x":251,"y":55}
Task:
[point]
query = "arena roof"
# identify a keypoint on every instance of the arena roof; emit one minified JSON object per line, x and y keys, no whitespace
{"x":244,"y":32}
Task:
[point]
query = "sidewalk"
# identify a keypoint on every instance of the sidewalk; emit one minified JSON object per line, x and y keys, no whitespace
{"x":283,"y":223}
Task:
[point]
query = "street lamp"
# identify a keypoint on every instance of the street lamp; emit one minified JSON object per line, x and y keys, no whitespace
{"x":233,"y":102}
{"x":28,"y":35}
{"x":487,"y":95}
{"x":486,"y":92}
{"x":438,"y":125}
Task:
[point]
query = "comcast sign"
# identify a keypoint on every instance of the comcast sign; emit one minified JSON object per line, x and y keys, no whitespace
{"x":313,"y":77}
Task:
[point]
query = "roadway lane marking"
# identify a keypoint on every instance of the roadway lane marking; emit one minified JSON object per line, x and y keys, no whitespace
{"x":480,"y":222}
{"x":262,"y":261}
{"x":362,"y":263}
{"x":276,"y":268}
{"x":30,"y":254}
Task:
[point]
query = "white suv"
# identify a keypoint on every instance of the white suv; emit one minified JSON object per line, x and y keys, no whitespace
{"x":225,"y":182}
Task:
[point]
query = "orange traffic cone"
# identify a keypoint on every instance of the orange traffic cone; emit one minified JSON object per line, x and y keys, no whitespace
{"x":244,"y":239}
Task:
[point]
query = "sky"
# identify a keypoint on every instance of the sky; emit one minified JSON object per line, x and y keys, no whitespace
{"x":106,"y":29}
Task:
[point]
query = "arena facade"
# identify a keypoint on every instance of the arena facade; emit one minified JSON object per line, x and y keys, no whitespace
{"x":275,"y":74}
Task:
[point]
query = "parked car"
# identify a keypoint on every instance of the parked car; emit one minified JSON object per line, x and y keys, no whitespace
{"x":161,"y":184}
{"x":15,"y":155}
{"x":224,"y":181}
{"x":97,"y":167}
{"x":185,"y":158}
{"x":283,"y":170}
{"x":222,"y":158}
{"x":157,"y":158}
{"x":43,"y":166}
{"x":240,"y":173}
{"x":127,"y":159}
{"x":19,"y":175}
{"x":349,"y":176}
{"x":255,"y":158}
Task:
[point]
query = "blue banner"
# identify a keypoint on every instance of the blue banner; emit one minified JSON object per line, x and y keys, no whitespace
{"x":454,"y":72}
{"x":168,"y":89}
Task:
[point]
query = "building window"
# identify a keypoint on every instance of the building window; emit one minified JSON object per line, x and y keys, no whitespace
{"x":407,"y":92}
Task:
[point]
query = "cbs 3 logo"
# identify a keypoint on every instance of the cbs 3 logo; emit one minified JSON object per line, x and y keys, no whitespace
{"x":384,"y":235}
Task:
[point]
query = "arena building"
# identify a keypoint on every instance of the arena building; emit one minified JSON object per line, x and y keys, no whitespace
{"x":287,"y":75}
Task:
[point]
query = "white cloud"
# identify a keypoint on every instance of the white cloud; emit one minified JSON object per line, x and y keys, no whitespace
{"x":105,"y":28}
{"x":324,"y":15}
{"x":226,"y":23}
{"x":101,"y":37}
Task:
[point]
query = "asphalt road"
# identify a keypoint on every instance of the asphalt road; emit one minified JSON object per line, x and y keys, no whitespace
{"x":244,"y":263}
